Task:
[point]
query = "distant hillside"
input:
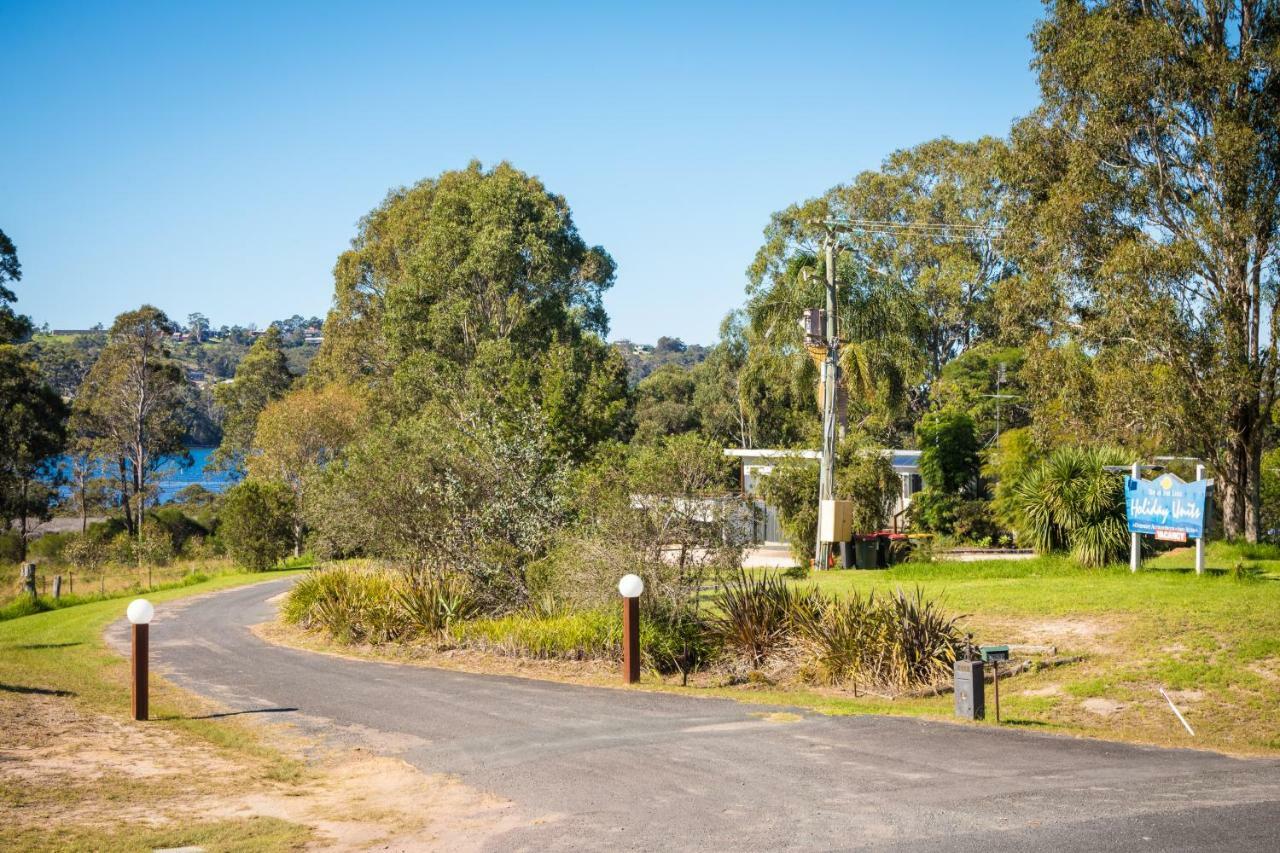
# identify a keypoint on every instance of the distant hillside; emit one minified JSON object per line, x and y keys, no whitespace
{"x":643,"y":359}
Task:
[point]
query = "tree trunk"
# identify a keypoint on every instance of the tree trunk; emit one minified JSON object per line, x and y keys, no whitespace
{"x":124,"y":497}
{"x":22,"y":524}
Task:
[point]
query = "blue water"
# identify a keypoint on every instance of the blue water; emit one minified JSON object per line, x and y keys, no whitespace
{"x":172,"y":476}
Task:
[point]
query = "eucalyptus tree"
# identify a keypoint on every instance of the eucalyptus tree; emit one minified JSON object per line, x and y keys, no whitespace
{"x":261,"y":377}
{"x":13,"y":326}
{"x":131,"y":405}
{"x":1148,"y":183}
{"x":477,"y":269}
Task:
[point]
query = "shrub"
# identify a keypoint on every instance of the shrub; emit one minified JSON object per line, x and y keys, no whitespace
{"x":50,"y":546}
{"x":433,"y":602}
{"x":922,"y":641}
{"x":177,"y":526}
{"x":838,"y":637}
{"x":934,"y":511}
{"x":755,"y":615}
{"x":1068,"y":502}
{"x":903,"y":641}
{"x":350,"y":604}
{"x":86,"y":553}
{"x":256,"y":524}
{"x":869,"y":482}
{"x":791,"y":487}
{"x":10,"y":547}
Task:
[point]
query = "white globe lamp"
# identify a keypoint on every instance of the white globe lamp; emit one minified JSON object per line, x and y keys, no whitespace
{"x":140,"y":612}
{"x":631,"y":586}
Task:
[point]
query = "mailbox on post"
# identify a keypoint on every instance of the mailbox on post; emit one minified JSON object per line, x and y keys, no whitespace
{"x":994,"y":653}
{"x":970,"y":690}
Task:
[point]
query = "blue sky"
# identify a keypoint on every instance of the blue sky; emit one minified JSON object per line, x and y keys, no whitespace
{"x":217,"y":157}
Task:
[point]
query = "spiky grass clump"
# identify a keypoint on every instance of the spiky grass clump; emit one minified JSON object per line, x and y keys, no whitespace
{"x":755,"y":615}
{"x":902,"y":641}
{"x":365,"y":604}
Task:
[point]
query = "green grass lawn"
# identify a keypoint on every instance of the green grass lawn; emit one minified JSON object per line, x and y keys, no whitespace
{"x":60,"y":655}
{"x":1211,"y":641}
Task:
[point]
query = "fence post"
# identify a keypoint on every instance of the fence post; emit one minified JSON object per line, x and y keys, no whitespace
{"x":57,"y":587}
{"x":29,"y":579}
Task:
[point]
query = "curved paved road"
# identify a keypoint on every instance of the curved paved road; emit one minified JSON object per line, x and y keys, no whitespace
{"x":594,"y":768}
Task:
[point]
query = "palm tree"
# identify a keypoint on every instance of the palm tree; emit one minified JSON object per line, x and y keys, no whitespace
{"x":1069,"y":502}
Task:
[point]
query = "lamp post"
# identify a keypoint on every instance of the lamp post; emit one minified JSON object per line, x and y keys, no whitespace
{"x":140,"y":614}
{"x":630,"y":587}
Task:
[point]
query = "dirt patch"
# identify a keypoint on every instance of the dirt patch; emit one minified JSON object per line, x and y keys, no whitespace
{"x":1047,"y":690}
{"x":1185,"y":697}
{"x":1102,"y":707}
{"x":1068,"y":635}
{"x":63,"y":766}
{"x":361,"y":800}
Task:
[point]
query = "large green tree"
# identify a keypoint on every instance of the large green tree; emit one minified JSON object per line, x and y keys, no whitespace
{"x":32,"y":414}
{"x":13,"y":326}
{"x":1149,"y":187}
{"x":261,"y":377}
{"x":32,"y":432}
{"x":131,"y":405}
{"x":478,"y":270}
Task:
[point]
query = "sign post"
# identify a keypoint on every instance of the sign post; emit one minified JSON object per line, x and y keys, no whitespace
{"x":1200,"y":540}
{"x":1135,"y":544}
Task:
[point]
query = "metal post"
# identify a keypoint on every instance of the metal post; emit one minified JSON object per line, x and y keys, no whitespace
{"x":995,"y":674}
{"x":1204,"y":526}
{"x":140,"y":681}
{"x":1135,"y":543}
{"x":827,"y":472}
{"x":630,"y":640}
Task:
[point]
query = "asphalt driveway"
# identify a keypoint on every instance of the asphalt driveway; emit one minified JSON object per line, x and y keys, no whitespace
{"x":595,"y":768}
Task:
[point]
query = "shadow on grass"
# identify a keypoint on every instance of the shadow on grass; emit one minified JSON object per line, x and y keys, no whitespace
{"x":233,"y":714}
{"x":34,"y":691}
{"x":1025,"y":724}
{"x":29,"y":647}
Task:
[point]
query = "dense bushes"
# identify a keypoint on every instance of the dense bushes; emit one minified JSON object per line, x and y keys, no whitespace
{"x":257,"y":523}
{"x":363,"y":603}
{"x":895,"y":642}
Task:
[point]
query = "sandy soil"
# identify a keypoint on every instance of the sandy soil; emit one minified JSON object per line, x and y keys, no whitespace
{"x":92,"y":770}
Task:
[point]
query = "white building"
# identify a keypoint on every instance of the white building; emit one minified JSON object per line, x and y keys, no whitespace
{"x":759,"y":463}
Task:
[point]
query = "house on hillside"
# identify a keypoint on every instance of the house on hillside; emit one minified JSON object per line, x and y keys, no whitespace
{"x":758,"y":463}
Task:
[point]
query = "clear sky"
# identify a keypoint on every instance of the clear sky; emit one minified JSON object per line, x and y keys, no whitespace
{"x":216,"y":157}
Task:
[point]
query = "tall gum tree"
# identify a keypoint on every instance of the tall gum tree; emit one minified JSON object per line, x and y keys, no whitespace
{"x":131,"y":404}
{"x":1147,"y":184}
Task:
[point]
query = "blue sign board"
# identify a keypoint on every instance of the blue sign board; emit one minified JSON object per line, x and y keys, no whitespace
{"x":1166,"y":506}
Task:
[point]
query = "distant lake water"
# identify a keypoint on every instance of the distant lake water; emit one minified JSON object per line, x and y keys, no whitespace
{"x":172,"y":476}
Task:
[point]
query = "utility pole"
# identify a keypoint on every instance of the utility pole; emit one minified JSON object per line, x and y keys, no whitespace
{"x":827,"y":472}
{"x":998,"y":397}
